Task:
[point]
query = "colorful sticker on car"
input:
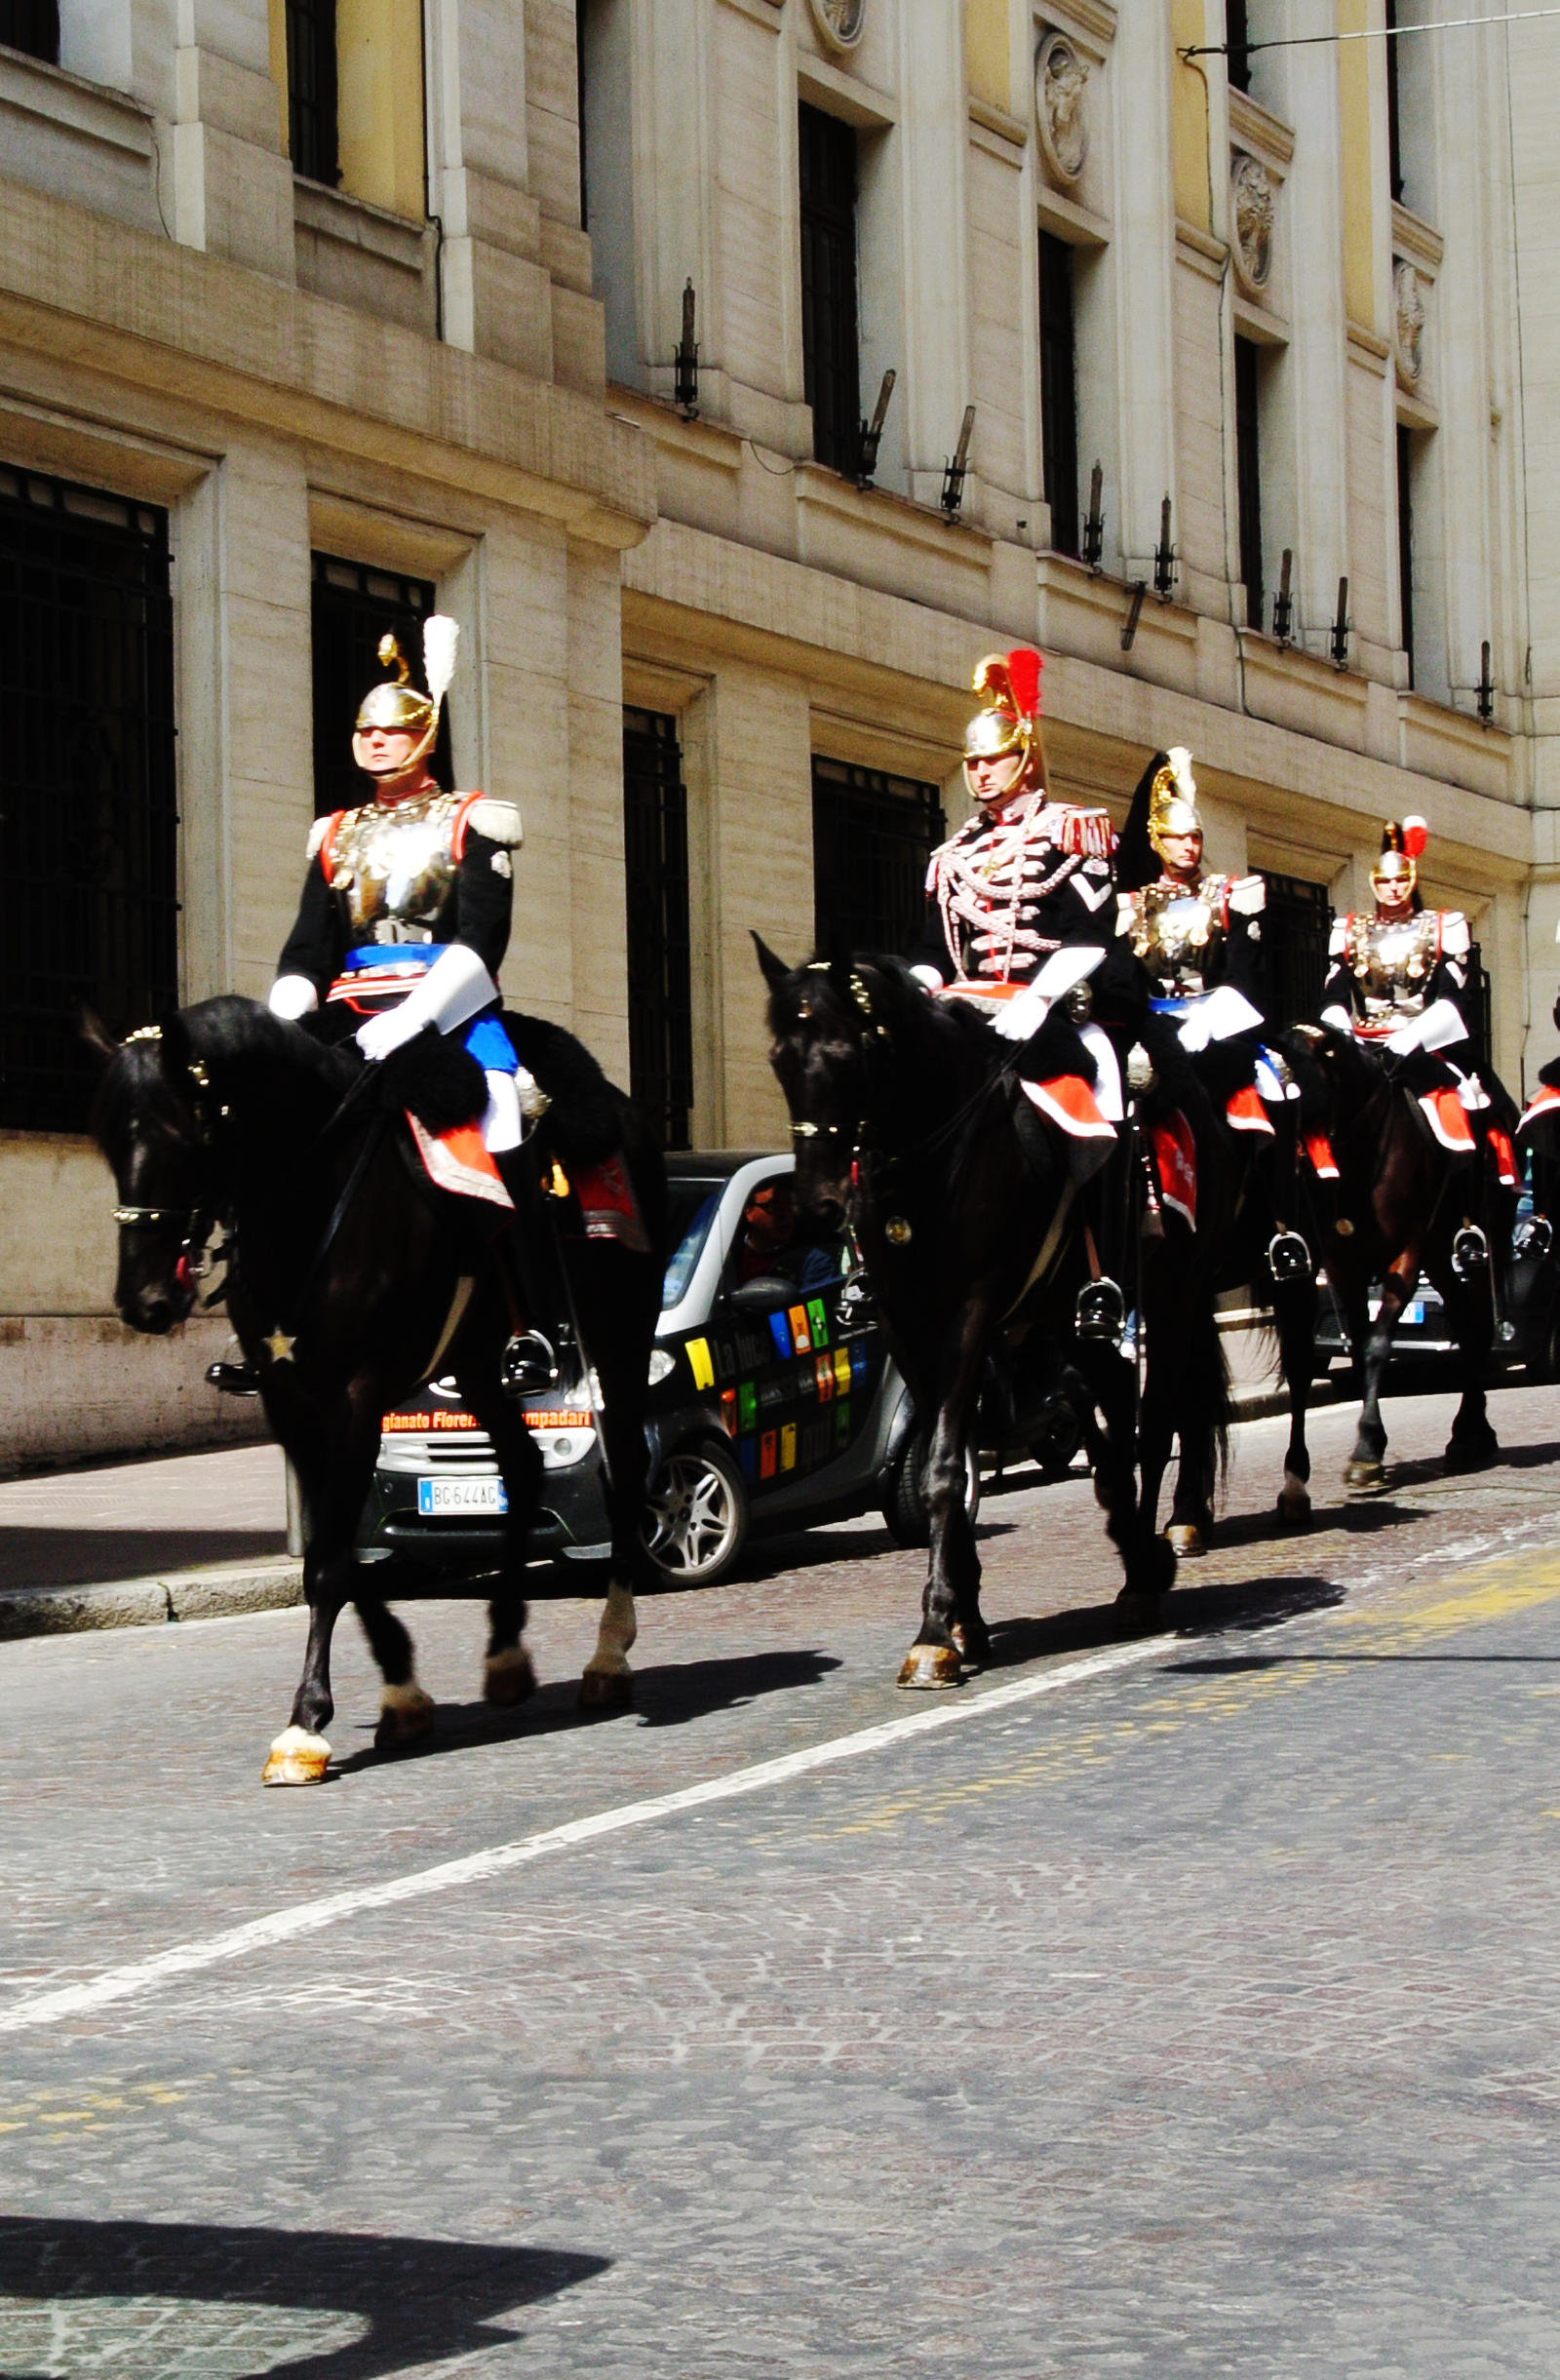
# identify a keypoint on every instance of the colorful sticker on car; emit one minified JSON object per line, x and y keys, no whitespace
{"x":788,"y":1446}
{"x":843,"y":1370}
{"x":858,"y":1359}
{"x":824,"y":1372}
{"x":797,"y":1319}
{"x":728,"y":1410}
{"x":819,"y":1322}
{"x":748,"y":1405}
{"x":748,"y":1457}
{"x":842,"y":1422}
{"x":703,"y":1370}
{"x":780,"y":1327}
{"x":768,"y":1455}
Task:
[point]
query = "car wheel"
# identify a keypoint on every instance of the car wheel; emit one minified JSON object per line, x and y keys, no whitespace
{"x":695,"y":1517}
{"x":904,"y":1493}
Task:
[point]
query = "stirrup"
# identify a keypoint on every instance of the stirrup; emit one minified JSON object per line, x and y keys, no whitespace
{"x":1289,"y":1259}
{"x":1470,"y":1252}
{"x":1533,"y":1236}
{"x":528,"y":1363}
{"x":232,"y":1379}
{"x":1101,"y":1312}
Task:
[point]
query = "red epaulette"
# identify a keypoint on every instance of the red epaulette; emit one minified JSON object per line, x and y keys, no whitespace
{"x":327,"y":846}
{"x":1088,"y":834}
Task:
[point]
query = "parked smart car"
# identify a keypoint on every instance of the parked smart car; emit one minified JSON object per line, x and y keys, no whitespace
{"x":772,"y":1399}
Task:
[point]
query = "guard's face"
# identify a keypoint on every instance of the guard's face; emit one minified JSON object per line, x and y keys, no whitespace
{"x":1394,"y":895}
{"x":991,"y":780}
{"x":1182,"y":853}
{"x":384,"y":752}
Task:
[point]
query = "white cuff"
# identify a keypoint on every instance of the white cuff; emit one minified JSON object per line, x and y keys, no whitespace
{"x":292,"y":997}
{"x":1024,"y":1014}
{"x":929,"y":977}
{"x":1339,"y":1019}
{"x":456,"y":988}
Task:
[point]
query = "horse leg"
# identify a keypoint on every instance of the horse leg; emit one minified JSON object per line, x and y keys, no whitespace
{"x":406,"y":1712}
{"x":1365,"y":1472}
{"x":620,"y":1299}
{"x":507,"y":1675}
{"x":1148,"y":1562}
{"x":333,"y":1455}
{"x":1472,"y":1445}
{"x":953,"y":1631}
{"x":1295,"y":1314}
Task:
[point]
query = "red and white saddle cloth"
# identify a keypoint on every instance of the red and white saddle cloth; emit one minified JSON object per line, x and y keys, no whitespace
{"x":1175,"y":1160}
{"x":1064,"y":1100}
{"x":459,"y":1161}
{"x":1544,"y":1105}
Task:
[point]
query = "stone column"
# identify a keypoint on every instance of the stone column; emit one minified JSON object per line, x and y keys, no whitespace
{"x":226,"y":180}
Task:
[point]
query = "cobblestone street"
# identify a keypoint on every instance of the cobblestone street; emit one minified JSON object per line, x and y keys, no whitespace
{"x":1179,"y":2008}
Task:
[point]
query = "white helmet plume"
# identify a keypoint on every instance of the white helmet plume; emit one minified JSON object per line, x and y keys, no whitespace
{"x":1180,"y":759}
{"x":441,"y":636}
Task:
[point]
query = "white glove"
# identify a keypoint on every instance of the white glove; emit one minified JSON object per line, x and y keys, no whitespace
{"x":292,"y":997}
{"x":1218,"y":1015}
{"x":929,"y":977}
{"x":456,"y":988}
{"x":1194,"y":1031}
{"x":1028,"y":1011}
{"x":1339,"y":1019}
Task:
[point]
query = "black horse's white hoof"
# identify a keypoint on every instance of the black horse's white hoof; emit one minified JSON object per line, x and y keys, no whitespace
{"x":297,"y":1758}
{"x":926,"y":1668}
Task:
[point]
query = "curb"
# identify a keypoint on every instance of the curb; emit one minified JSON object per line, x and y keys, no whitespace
{"x":144,"y":1603}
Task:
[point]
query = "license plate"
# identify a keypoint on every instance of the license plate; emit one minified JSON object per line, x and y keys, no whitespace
{"x":1414,"y":1310}
{"x":441,"y":1496}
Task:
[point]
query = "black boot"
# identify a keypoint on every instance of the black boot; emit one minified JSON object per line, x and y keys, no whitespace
{"x":530,"y":1260}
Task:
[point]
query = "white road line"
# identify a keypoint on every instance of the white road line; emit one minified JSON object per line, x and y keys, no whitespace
{"x":312,"y":1915}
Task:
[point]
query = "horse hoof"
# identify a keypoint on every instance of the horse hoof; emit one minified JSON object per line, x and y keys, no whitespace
{"x":297,"y":1758}
{"x":1363,"y":1476}
{"x":1473,"y":1454}
{"x":606,"y":1692}
{"x":1294,"y":1503}
{"x":1140,"y":1612}
{"x":931,"y":1666}
{"x":1186,"y":1541}
{"x":972,"y":1644}
{"x":508,"y":1678}
{"x":405,"y":1716}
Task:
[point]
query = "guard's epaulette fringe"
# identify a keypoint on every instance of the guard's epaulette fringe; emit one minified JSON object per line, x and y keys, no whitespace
{"x":1088,"y":834}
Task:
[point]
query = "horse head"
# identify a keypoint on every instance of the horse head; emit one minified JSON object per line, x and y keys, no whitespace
{"x":822,"y":1023}
{"x":151,"y":1119}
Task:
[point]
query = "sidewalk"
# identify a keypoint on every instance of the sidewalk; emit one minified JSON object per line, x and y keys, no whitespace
{"x":186,"y":1536}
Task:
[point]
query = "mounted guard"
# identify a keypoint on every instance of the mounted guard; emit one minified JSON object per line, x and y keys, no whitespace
{"x":1398,"y":983}
{"x":1019,"y":924}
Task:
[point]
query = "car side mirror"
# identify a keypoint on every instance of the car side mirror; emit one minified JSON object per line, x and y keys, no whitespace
{"x":763,"y":1296}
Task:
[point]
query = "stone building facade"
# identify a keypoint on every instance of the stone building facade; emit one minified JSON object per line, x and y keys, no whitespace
{"x":342,"y":307}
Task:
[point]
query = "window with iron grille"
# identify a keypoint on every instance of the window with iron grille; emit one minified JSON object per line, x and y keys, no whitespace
{"x":1405,"y":538}
{"x":1059,"y":398}
{"x":1295,"y":928}
{"x":872,"y":838}
{"x":655,"y":857}
{"x":311,"y":90}
{"x":32,"y":26}
{"x":89,"y":819}
{"x":1237,"y":36}
{"x":1248,"y":474}
{"x":830,"y":348}
{"x":353,"y":608}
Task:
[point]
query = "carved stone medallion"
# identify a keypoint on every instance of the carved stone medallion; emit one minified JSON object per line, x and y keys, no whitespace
{"x":1251,"y":213}
{"x":841,"y":22}
{"x":1061,"y":116}
{"x":1408,"y":320}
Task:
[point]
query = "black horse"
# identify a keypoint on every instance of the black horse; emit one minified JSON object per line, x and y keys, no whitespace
{"x":906,"y":1123}
{"x":1406,"y":1205}
{"x":350,"y":1280}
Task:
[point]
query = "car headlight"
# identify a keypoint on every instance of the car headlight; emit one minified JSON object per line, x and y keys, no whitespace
{"x":663,"y":1363}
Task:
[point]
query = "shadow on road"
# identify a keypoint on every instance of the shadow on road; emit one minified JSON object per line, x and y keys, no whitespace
{"x":666,"y":1697}
{"x":422,"y":2299}
{"x":1261,"y":1604}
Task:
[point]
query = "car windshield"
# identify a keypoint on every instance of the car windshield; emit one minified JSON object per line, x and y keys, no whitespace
{"x":690,"y":1210}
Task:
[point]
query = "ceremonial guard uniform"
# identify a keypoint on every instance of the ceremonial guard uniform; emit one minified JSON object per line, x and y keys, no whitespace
{"x":1399,"y":984}
{"x":406,"y":909}
{"x":1019,"y":916}
{"x":1020,"y":901}
{"x":1197,"y":938}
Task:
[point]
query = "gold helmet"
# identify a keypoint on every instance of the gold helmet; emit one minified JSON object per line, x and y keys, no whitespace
{"x":1173,"y":799}
{"x":1397,"y":868}
{"x":1009,"y":718}
{"x":395,"y":704}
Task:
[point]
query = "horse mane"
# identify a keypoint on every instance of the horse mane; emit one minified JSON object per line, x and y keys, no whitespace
{"x":225,"y":1034}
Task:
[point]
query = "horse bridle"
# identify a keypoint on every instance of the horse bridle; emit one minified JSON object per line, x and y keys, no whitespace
{"x":197,"y":1222}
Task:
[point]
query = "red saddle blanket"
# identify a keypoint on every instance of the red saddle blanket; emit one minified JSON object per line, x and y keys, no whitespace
{"x":459,"y":1161}
{"x":1448,"y":1119}
{"x":1545,"y":1102}
{"x":1174,"y":1157}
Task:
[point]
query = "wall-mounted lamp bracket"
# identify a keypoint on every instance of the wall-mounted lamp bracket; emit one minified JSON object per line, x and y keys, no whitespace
{"x":952,"y":495}
{"x":1284,"y":601}
{"x":1094,"y":524}
{"x":1164,"y":558}
{"x":685,"y":386}
{"x":1140,"y":588}
{"x":872,"y":433}
{"x":1339,"y":641}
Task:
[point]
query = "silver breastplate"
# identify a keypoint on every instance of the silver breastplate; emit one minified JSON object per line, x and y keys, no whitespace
{"x":1176,"y":931}
{"x":395,"y":869}
{"x":1393,"y":963}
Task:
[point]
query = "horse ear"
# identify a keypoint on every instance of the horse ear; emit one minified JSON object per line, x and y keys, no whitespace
{"x":775,"y":970}
{"x":102,"y":1044}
